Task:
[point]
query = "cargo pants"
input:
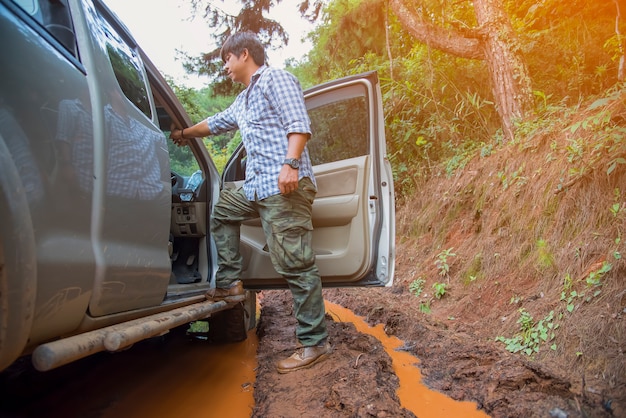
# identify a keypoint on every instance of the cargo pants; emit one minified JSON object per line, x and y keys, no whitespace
{"x":288,"y":228}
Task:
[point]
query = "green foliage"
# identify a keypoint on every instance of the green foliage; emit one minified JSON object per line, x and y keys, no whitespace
{"x":545,"y":259}
{"x":439,"y":108}
{"x":338,"y":138}
{"x":604,"y":135}
{"x":513,"y":179}
{"x":191,"y":99}
{"x":474,"y":270}
{"x":567,"y":59}
{"x":351,"y":30}
{"x":220,"y":152}
{"x":442,"y":261}
{"x":416,"y":287}
{"x":198,"y":327}
{"x":594,"y":279}
{"x":440,"y":289}
{"x":199,"y":104}
{"x":252,"y":15}
{"x":532,"y":334}
{"x":219,"y":156}
{"x":182,"y":160}
{"x":593,"y":283}
{"x":300,"y":70}
{"x":617,"y":208}
{"x":570,"y":300}
{"x":436,"y":107}
{"x":463,"y":155}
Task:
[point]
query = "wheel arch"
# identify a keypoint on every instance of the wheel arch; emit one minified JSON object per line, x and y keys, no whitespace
{"x":18,"y":262}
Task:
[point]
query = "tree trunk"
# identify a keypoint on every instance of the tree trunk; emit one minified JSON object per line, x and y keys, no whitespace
{"x":493,"y":41}
{"x":510,"y":81}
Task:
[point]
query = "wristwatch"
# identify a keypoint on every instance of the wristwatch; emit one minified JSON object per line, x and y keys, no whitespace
{"x":292,"y":162}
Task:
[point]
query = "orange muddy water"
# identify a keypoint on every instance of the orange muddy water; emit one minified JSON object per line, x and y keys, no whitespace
{"x":172,"y":377}
{"x":414,"y":396}
{"x":185,"y":386}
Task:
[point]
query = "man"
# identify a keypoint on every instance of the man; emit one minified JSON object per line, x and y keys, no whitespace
{"x":279,"y":188}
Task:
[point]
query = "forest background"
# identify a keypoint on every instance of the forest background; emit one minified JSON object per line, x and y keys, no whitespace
{"x":506,"y":130}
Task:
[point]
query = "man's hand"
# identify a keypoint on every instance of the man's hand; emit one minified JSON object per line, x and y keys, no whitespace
{"x":183,"y":136}
{"x":287,"y":180}
{"x":176,"y":135}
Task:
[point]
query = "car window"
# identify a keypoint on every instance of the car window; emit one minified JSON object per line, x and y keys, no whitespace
{"x":54,"y":16}
{"x":182,"y":159}
{"x":127,"y":66}
{"x":340,"y":130}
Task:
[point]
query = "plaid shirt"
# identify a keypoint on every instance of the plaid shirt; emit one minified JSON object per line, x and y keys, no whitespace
{"x":269,"y":109}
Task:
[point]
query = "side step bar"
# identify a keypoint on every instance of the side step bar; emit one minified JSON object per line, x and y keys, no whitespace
{"x":116,"y":337}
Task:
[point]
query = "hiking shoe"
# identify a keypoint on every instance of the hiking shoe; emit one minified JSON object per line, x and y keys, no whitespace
{"x":303,"y":358}
{"x":233,"y":293}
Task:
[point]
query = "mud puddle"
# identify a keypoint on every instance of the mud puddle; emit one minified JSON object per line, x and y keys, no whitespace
{"x":366,"y":375}
{"x":413,"y":394}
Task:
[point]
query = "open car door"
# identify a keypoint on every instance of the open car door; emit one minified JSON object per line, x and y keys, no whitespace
{"x":353,"y":212}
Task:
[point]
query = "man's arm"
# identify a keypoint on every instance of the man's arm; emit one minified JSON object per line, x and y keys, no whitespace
{"x":288,"y":177}
{"x":199,"y":130}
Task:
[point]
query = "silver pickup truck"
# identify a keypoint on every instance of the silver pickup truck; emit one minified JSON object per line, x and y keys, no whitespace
{"x":103,"y":224}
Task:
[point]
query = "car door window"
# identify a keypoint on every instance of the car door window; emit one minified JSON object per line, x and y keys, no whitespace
{"x":127,"y":66}
{"x":340,"y":130}
{"x":54,"y":16}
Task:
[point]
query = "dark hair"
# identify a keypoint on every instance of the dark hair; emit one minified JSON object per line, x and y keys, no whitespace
{"x":237,"y":42}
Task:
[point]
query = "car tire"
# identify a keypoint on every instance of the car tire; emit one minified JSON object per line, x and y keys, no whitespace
{"x":250,"y":308}
{"x":232,"y":325}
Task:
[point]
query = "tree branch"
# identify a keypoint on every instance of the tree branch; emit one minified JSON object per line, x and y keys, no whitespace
{"x":449,"y":41}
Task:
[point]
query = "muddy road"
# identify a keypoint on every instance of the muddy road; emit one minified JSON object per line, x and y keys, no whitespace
{"x":388,"y":361}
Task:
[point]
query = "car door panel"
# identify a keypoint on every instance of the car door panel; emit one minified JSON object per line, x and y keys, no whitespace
{"x":341,"y":237}
{"x":339,"y":189}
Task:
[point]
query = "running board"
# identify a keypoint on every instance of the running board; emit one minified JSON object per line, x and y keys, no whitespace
{"x":119,"y":336}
